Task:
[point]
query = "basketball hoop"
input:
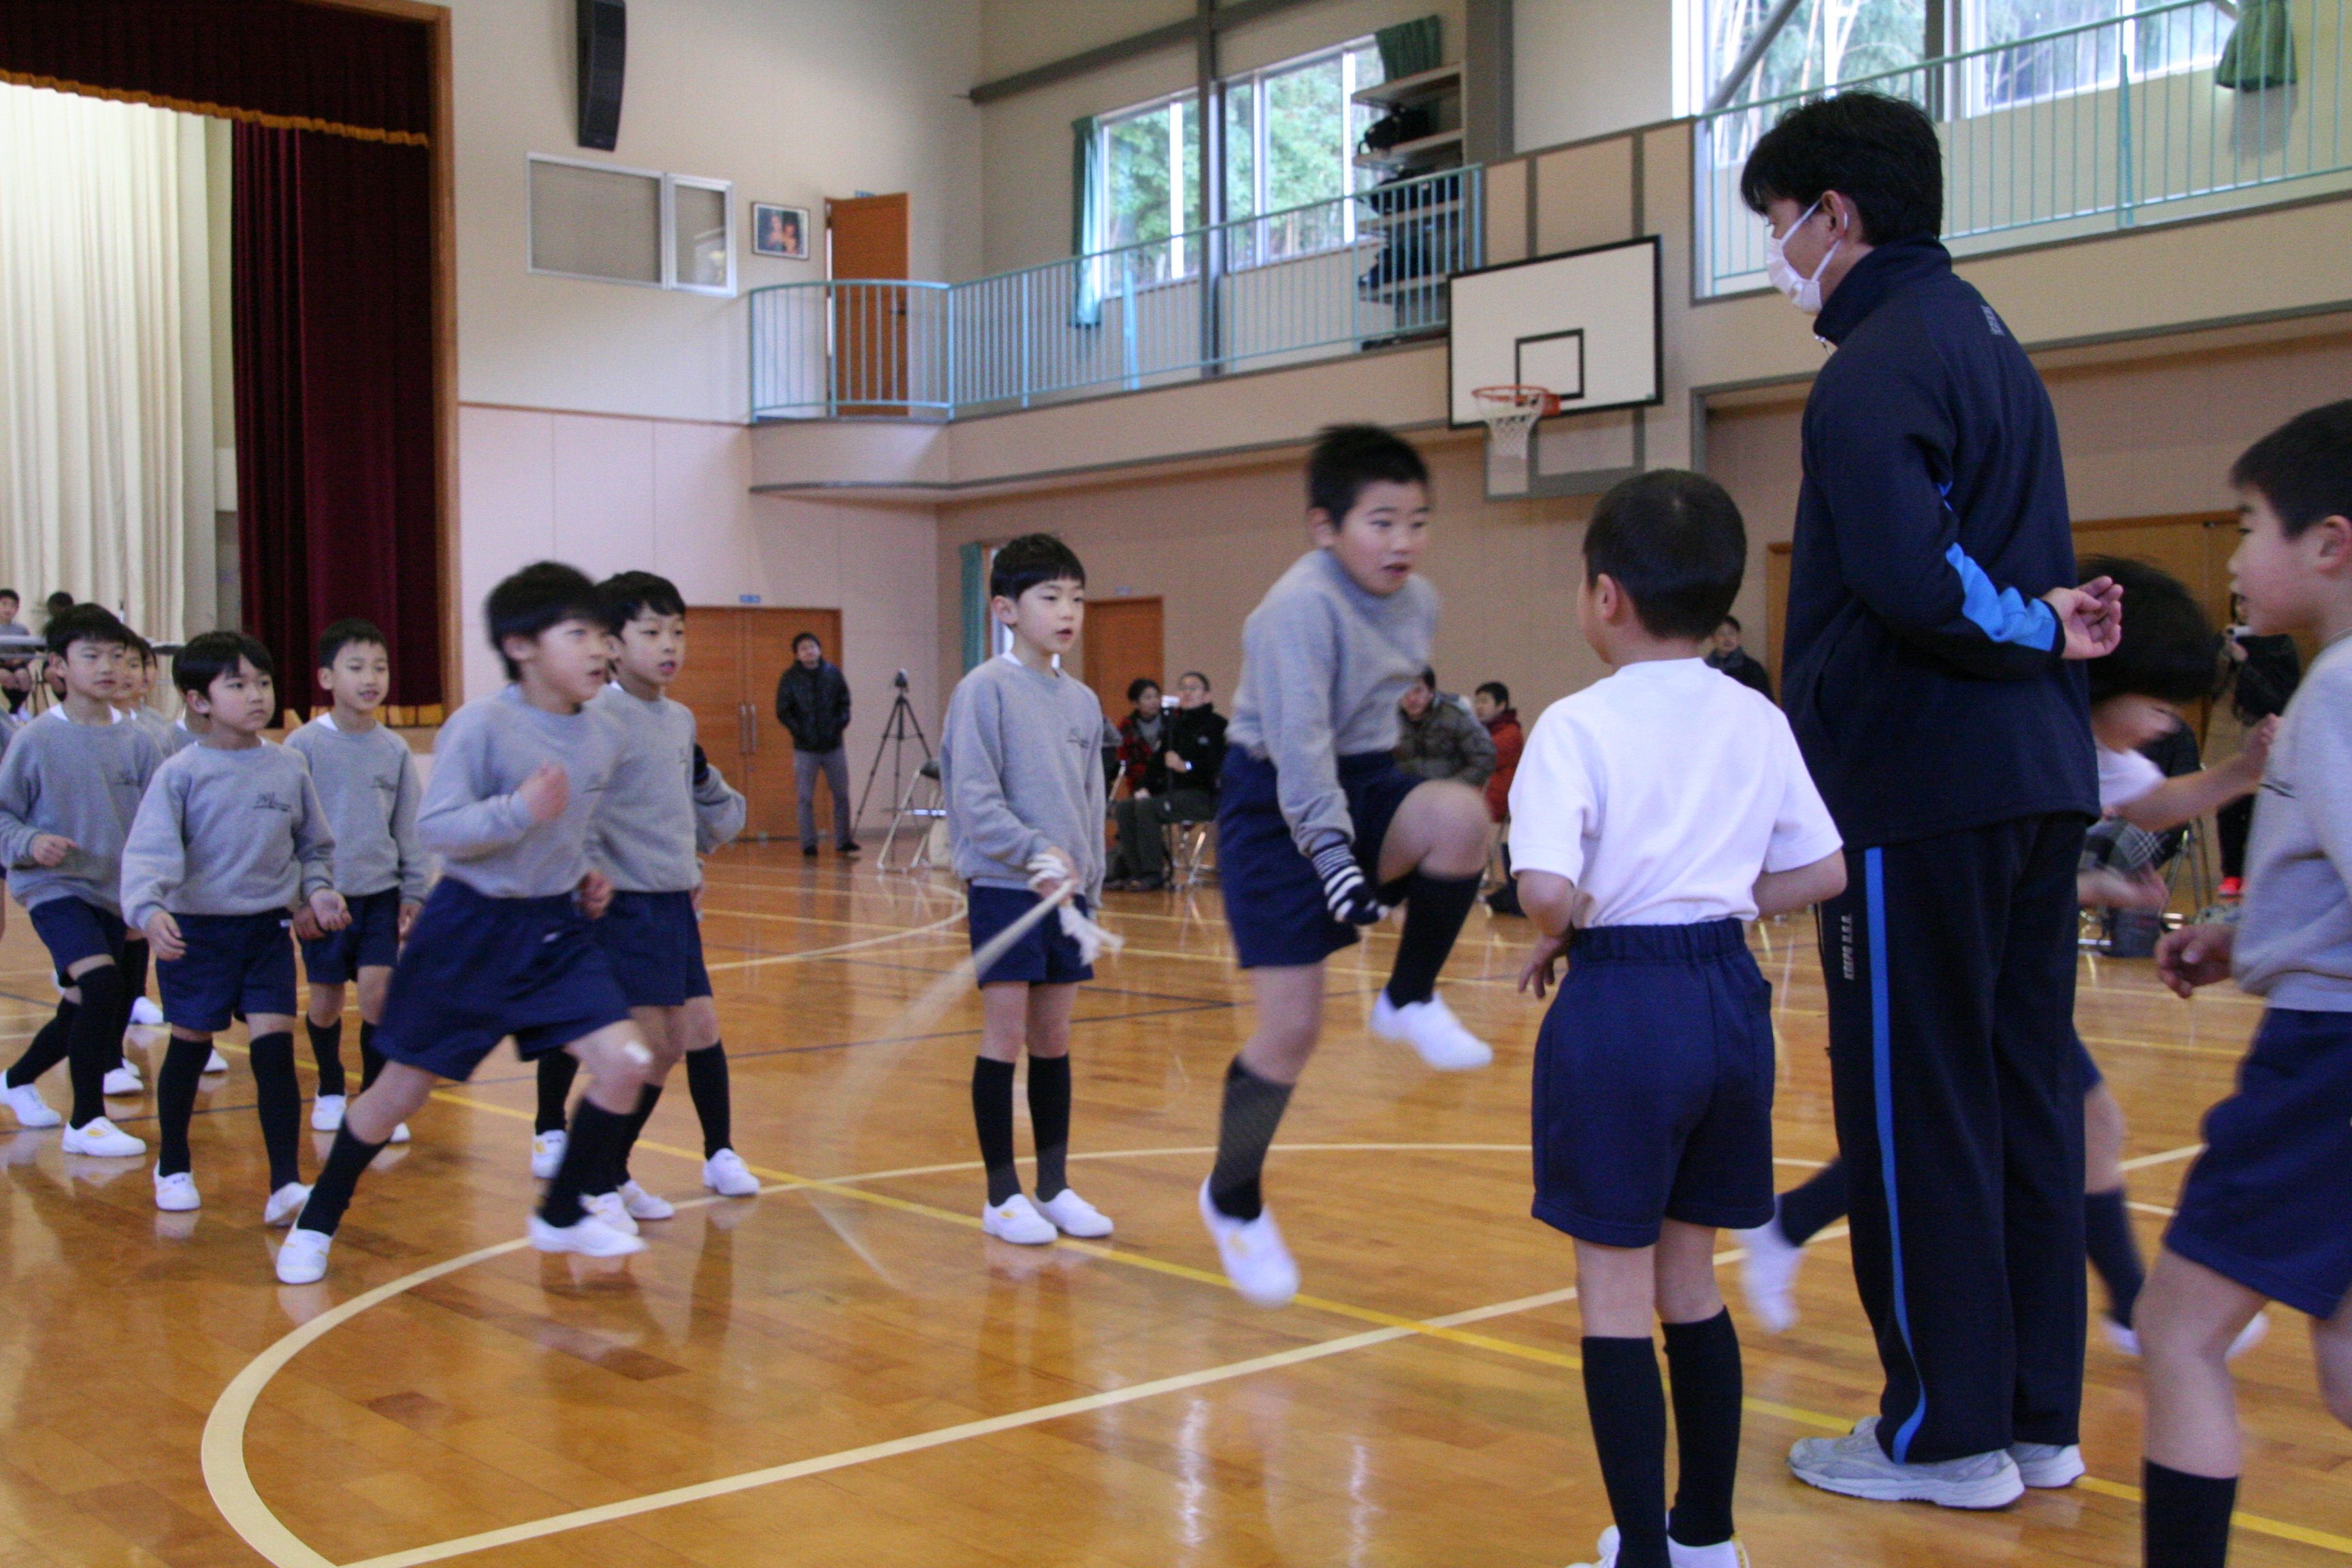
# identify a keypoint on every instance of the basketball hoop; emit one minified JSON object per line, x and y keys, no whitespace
{"x":1511,"y":413}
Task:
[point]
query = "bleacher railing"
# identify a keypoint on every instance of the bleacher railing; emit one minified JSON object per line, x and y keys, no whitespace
{"x":2074,"y":132}
{"x":1309,"y":282}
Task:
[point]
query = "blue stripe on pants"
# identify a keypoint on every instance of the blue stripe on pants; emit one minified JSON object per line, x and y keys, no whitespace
{"x":1882,"y":1059}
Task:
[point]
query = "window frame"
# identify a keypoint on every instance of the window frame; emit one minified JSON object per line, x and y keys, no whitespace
{"x":1975,"y":101}
{"x":666,"y":219}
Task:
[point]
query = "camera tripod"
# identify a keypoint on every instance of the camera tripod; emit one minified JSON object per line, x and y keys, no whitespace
{"x":895,"y":730}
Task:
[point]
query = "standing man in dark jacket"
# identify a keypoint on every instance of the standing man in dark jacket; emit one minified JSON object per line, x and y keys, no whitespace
{"x":1932,"y":620}
{"x":812,"y":702}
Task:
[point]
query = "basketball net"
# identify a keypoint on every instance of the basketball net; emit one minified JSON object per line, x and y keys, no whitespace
{"x":1511,"y":413}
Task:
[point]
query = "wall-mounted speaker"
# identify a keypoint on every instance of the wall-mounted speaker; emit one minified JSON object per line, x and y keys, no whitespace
{"x":603,"y":52}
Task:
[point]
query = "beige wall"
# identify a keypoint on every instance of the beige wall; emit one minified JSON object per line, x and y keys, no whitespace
{"x":792,"y":103}
{"x":1586,"y":68}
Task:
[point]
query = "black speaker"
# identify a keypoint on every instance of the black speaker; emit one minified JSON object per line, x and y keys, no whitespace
{"x":603,"y":51}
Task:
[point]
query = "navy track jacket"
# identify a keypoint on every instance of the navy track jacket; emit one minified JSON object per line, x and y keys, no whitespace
{"x":1922,"y":670}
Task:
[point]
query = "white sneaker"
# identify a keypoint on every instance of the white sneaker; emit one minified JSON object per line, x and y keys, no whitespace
{"x":1767,"y":1276}
{"x":176,"y":1193}
{"x":1073,"y":1216}
{"x":613,"y":1210}
{"x":302,"y":1260}
{"x":216,"y":1063}
{"x":327,"y":1112}
{"x":284,"y":1205}
{"x":145,"y":1014}
{"x":643,"y":1205}
{"x":1016,"y":1220}
{"x":122,"y":1084}
{"x":726,"y":1174}
{"x":1855,"y":1466}
{"x":103,"y":1139}
{"x":399,"y":1135}
{"x":1432,"y":1031}
{"x":1257,"y":1262}
{"x":1722,"y":1555}
{"x":2123,"y":1336}
{"x":591,"y":1237}
{"x":30,"y":1109}
{"x":547,"y":1153}
{"x":2047,"y":1465}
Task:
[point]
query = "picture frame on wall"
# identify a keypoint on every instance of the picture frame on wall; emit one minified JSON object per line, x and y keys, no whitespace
{"x":781,"y":232}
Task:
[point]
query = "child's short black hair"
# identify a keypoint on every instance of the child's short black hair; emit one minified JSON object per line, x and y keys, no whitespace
{"x":1498,"y":690}
{"x":2169,"y":650}
{"x":143,"y":648}
{"x":543,"y":594}
{"x":1428,"y":676}
{"x":58,"y":603}
{"x":84,"y":623}
{"x":342,"y":634}
{"x":1196,"y":675}
{"x":11,"y":595}
{"x":2304,"y":469}
{"x":1031,"y":559}
{"x":1733,"y":622}
{"x":1881,"y":154}
{"x":1347,"y":458}
{"x":629,"y":594}
{"x":1674,"y":542}
{"x":210,"y":655}
{"x":800,"y":637}
{"x":1139,"y":685}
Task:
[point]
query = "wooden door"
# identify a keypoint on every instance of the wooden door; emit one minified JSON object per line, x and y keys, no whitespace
{"x":866,"y":237}
{"x":735,"y":655}
{"x":1121,"y":641}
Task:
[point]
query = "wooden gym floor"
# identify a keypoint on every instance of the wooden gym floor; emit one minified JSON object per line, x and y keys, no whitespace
{"x":844,"y":1371}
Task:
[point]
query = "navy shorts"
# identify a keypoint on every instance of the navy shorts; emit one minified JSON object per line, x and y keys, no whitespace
{"x":478,"y":969}
{"x":2269,"y":1204}
{"x":73,"y":931}
{"x":654,"y":944}
{"x":372,"y":941}
{"x":1274,"y":900}
{"x":1653,"y":1085}
{"x":1046,"y":954}
{"x":237,"y":966}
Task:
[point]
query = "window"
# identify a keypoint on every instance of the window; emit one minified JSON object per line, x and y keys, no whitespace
{"x":1825,"y":43}
{"x":2060,"y":47}
{"x":631,"y":225}
{"x":1290,"y":135}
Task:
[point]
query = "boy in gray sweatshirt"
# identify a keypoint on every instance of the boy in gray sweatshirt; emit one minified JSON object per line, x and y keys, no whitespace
{"x":2265,"y":1214}
{"x":228,"y":841}
{"x":69,"y":786}
{"x":1318,"y":829}
{"x":503,"y":947}
{"x":366,"y":778}
{"x":1024,"y":791}
{"x":666,"y":807}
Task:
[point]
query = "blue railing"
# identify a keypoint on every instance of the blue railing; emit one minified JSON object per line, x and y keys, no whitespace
{"x":2079,"y":130}
{"x":1331,"y":277}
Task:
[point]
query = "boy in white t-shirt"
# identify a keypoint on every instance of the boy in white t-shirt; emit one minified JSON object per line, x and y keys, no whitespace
{"x":1654,"y":813}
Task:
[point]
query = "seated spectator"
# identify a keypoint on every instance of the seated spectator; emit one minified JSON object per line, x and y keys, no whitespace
{"x":1192,"y":750}
{"x":1142,"y":771}
{"x":1735,"y":661}
{"x":1439,"y":739}
{"x":1491,"y":705}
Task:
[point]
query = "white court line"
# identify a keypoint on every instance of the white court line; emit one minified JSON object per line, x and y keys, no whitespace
{"x":2187,"y":1151}
{"x":816,"y":952}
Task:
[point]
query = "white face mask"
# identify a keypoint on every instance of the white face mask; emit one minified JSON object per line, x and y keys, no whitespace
{"x":1805,"y":293}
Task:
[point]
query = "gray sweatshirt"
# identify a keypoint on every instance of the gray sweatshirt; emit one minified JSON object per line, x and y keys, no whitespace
{"x":655,"y":821}
{"x":1323,"y":663}
{"x":80,"y":782}
{"x":226,"y":831}
{"x":159,"y":729}
{"x":1021,"y":765}
{"x":368,"y":783}
{"x":471,"y":816}
{"x":2294,"y":939}
{"x":177,"y":737}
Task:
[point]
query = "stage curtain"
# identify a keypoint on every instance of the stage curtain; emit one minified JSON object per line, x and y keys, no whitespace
{"x":331,"y":282}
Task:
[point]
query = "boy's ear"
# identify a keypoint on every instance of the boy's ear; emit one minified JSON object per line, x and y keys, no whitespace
{"x":326,"y":678}
{"x":199,"y":702}
{"x":1322,"y":526}
{"x":519,"y":648}
{"x":1004,"y":609}
{"x":2333,"y":552}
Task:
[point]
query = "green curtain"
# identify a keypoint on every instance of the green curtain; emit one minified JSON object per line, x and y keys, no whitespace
{"x":1409,"y":48}
{"x":1086,"y":234}
{"x":2261,"y":50}
{"x":975,"y":604}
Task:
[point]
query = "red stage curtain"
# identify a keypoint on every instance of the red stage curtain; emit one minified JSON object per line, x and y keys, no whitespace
{"x":337,"y":495}
{"x":286,"y":60}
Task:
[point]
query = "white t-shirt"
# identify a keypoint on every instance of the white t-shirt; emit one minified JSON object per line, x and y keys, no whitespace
{"x":2123,"y":777}
{"x":1663,"y":792}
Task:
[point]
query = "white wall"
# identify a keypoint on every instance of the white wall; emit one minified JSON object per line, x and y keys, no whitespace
{"x":1585,"y":67}
{"x":793,"y":103}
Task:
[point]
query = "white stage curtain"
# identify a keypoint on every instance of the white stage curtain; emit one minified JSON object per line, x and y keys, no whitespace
{"x":106,"y":461}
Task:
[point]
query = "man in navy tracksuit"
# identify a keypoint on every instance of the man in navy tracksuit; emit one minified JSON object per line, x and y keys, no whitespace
{"x":1931,"y":614}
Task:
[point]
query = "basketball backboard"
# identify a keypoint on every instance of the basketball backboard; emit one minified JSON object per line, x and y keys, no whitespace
{"x":1584,"y":324}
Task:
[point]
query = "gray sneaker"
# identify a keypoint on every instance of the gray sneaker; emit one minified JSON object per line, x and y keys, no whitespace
{"x":2050,"y":1464}
{"x":1855,"y":1466}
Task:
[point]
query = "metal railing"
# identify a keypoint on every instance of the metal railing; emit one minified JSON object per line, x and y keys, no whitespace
{"x":2079,"y":130}
{"x":1310,"y":282}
